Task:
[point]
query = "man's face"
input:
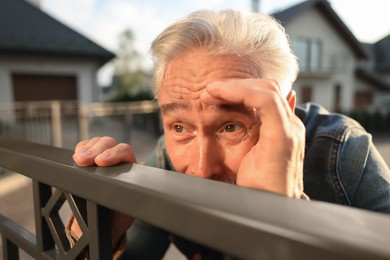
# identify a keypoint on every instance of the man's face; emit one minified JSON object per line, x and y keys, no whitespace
{"x":208,"y":141}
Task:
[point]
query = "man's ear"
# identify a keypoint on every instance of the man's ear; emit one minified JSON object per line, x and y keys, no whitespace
{"x":292,"y":99}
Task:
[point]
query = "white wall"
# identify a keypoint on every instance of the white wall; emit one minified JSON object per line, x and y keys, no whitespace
{"x":84,"y":71}
{"x":337,"y":60}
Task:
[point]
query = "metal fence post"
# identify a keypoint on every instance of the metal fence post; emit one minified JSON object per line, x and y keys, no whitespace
{"x":56,"y":124}
{"x":100,"y":243}
{"x":83,"y":122}
{"x":41,"y":194}
{"x":128,"y":123}
{"x":10,"y":250}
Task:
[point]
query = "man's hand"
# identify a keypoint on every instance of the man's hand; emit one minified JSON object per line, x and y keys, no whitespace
{"x":104,"y":151}
{"x":275,"y":163}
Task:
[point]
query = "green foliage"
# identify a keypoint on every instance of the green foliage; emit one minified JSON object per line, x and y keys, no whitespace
{"x":130,"y":80}
{"x":128,"y":57}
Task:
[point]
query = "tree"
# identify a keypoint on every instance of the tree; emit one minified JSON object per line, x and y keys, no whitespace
{"x":130,"y":78}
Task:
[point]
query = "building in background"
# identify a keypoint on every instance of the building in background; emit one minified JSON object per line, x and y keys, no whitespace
{"x":336,"y":70}
{"x":43,"y":59}
{"x":377,"y":72}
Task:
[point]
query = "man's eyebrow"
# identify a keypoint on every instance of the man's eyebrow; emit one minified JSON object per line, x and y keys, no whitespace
{"x":172,"y":107}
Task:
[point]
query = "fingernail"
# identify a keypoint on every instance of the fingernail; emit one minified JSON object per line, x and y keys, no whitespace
{"x":84,"y":154}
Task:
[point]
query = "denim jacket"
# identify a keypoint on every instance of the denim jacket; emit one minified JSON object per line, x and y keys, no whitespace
{"x":341,"y":163}
{"x":341,"y":166}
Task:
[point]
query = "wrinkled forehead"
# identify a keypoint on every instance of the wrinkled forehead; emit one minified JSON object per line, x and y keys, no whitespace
{"x":187,"y":75}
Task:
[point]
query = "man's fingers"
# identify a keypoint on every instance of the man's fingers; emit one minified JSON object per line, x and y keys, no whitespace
{"x":119,"y":153}
{"x":85,"y":144}
{"x":263,"y":95}
{"x":102,"y":151}
{"x":86,"y":151}
{"x":248,"y":92}
{"x":275,"y":162}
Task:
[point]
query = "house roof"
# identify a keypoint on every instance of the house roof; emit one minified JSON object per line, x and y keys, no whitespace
{"x":382,"y":54}
{"x":324,"y":7}
{"x":25,"y":29}
{"x":373,"y":78}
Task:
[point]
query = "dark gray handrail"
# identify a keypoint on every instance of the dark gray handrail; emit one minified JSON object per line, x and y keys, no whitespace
{"x":240,"y":221}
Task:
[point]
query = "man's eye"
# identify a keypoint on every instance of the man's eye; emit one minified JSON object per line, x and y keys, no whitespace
{"x":179,"y":129}
{"x":232,"y":127}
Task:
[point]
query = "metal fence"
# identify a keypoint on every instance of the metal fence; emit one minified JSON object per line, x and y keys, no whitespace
{"x":242,"y":222}
{"x":64,"y":123}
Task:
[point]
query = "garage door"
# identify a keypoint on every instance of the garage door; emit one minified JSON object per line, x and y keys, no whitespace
{"x":32,"y":87}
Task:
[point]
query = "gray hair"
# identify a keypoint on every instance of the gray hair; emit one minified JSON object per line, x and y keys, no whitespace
{"x":256,"y":37}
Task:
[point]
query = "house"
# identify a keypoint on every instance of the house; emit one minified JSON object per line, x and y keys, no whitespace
{"x":377,"y":72}
{"x":43,"y":59}
{"x":336,"y":70}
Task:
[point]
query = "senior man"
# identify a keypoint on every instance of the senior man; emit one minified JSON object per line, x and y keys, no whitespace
{"x":223,"y":82}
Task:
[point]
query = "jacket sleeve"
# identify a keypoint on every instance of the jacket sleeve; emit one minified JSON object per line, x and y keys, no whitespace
{"x":364,"y":173}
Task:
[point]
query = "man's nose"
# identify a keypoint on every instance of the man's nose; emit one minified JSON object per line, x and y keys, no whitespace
{"x":208,"y":158}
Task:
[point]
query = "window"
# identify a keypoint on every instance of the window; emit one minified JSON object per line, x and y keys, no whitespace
{"x":308,"y":52}
{"x":300,"y":48}
{"x":315,"y":55}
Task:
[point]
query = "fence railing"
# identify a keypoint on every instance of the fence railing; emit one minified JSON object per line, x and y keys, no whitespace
{"x":64,"y":123}
{"x":242,"y":222}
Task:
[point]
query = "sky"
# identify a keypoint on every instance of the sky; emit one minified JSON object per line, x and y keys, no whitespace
{"x":103,"y":20}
